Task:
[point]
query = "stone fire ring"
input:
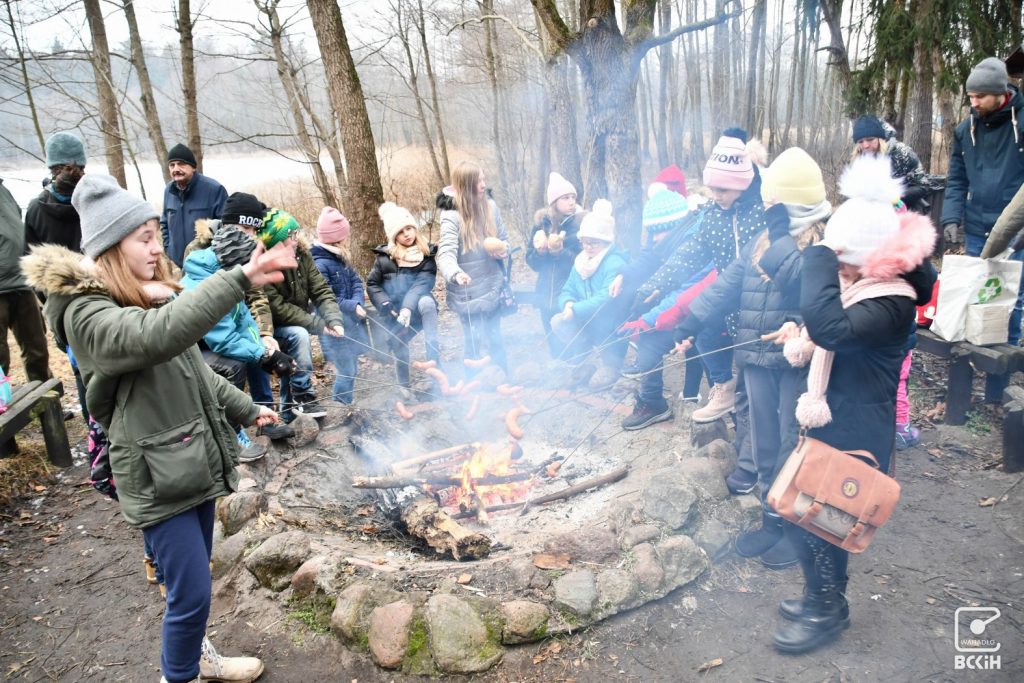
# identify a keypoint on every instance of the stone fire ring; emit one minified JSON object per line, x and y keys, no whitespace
{"x":674,"y":520}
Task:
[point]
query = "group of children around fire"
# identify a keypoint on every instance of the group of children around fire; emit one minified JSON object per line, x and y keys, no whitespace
{"x":730,"y":285}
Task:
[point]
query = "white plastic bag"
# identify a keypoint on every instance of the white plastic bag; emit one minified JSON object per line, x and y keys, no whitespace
{"x":968,"y":280}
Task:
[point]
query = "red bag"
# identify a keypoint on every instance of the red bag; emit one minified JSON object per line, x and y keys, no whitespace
{"x":926,"y":313}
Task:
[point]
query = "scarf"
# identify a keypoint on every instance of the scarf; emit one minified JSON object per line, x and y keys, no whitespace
{"x":329,"y":247}
{"x":803,"y":216}
{"x":586,"y":266}
{"x":412,"y":257}
{"x":812,"y":407}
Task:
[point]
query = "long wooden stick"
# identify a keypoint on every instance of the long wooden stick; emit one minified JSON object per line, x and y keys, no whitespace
{"x":433,"y":455}
{"x":611,"y":477}
{"x":398,"y":482}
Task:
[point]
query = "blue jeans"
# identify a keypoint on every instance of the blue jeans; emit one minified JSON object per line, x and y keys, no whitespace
{"x":183,"y":544}
{"x":651,"y":348}
{"x":259,"y":386}
{"x":294,"y":341}
{"x":973,"y":244}
{"x":717,"y":363}
{"x":343,"y":355}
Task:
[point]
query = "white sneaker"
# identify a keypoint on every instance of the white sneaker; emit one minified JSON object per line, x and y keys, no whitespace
{"x":213,"y":667}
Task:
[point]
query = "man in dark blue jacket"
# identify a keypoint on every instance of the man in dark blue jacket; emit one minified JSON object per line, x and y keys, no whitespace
{"x":188,"y":197}
{"x":986,"y":167}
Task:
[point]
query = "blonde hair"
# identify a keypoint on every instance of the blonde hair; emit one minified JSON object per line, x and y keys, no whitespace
{"x":125,"y":288}
{"x":397,"y":251}
{"x":475,"y":211}
{"x":883,"y":148}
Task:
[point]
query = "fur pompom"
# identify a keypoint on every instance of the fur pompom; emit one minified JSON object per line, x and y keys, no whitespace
{"x":870,"y":177}
{"x":812,"y":411}
{"x":905,"y":251}
{"x":798,"y":351}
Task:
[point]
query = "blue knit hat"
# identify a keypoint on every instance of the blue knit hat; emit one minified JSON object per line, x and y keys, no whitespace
{"x":64,"y":148}
{"x":665,"y":211}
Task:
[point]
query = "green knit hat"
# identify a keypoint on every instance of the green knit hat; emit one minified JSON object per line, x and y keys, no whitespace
{"x":278,"y":225}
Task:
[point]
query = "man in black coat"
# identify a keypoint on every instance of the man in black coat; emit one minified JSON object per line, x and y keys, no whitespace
{"x":50,"y":218}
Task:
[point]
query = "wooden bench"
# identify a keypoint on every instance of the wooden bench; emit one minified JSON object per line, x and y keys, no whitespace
{"x":42,"y":400}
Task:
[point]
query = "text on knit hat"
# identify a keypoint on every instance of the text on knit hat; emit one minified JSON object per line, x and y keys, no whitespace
{"x":242,"y":208}
{"x":107,"y":212}
{"x":729,"y":166}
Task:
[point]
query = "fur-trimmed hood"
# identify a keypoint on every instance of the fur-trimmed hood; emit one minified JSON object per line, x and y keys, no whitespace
{"x":576,"y":219}
{"x":62,"y":275}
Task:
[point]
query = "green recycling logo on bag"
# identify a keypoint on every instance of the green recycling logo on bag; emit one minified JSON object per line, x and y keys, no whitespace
{"x":992,"y":288}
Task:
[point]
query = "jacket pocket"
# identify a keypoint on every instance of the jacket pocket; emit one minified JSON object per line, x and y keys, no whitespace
{"x":178,"y":461}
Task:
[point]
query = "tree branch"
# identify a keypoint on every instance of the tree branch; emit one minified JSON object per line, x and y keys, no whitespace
{"x":641,"y":48}
{"x":560,"y":34}
{"x":497,"y":17}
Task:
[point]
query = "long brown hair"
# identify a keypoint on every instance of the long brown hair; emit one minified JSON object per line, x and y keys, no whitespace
{"x":125,"y":288}
{"x":474,"y":210}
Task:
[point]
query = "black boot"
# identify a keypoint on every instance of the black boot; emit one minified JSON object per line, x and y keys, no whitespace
{"x":754,"y":543}
{"x":825,"y":615}
{"x":780,"y":555}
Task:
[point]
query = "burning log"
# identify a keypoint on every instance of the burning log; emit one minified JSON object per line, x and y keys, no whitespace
{"x":409,"y":463}
{"x":426,"y":520}
{"x":611,"y":477}
{"x":398,"y":482}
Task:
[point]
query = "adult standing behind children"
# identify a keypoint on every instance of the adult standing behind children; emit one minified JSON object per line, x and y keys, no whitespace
{"x":474,"y":244}
{"x":188,"y":197}
{"x":172,"y":449}
{"x":50,"y":218}
{"x":551,"y":249}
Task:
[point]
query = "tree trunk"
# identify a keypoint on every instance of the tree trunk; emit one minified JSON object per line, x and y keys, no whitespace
{"x":100,"y":59}
{"x":564,"y":147}
{"x":442,"y":144}
{"x":490,"y":62}
{"x":363,"y":193}
{"x":919,"y":128}
{"x":664,"y":81}
{"x":153,"y":127}
{"x":753,"y":104}
{"x":23,"y":72}
{"x":831,"y":12}
{"x":188,"y":82}
{"x":402,"y":33}
{"x":291,"y":89}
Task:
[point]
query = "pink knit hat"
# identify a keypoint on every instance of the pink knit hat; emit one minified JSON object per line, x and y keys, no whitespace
{"x":332,"y":227}
{"x":729,"y":166}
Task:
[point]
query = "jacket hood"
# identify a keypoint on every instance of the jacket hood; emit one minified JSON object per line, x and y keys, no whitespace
{"x":201,"y":264}
{"x":446,"y":201}
{"x":575,"y":219}
{"x":62,"y":275}
{"x":905,"y":251}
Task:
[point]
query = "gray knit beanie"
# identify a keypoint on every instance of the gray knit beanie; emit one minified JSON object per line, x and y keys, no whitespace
{"x":64,"y":148}
{"x":989,"y":77}
{"x":108,"y":213}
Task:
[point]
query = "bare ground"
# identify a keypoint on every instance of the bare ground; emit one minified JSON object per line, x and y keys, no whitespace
{"x":74,"y":605}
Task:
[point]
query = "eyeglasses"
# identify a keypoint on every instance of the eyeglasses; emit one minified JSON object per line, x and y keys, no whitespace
{"x":592,"y":243}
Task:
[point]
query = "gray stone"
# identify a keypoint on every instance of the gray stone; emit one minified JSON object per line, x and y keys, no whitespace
{"x":681,"y":559}
{"x":459,"y":638}
{"x":702,"y":434}
{"x":388,"y":636}
{"x":238,"y":508}
{"x":585,"y":545}
{"x":338,"y":415}
{"x":634,"y":535}
{"x":529,"y":373}
{"x":670,"y":502}
{"x":647,"y":569}
{"x":720,"y":452}
{"x":705,"y":476}
{"x":334,"y":440}
{"x":576,"y":591}
{"x":227,"y":553}
{"x":306,"y":431}
{"x":348,"y":609}
{"x":714,"y":538}
{"x":616,"y":588}
{"x":623,"y":514}
{"x":522,"y":574}
{"x":274,"y":562}
{"x":247,"y":483}
{"x":750,"y":509}
{"x":304,"y":580}
{"x":525,"y":622}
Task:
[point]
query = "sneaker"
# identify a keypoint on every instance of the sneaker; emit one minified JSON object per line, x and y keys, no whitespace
{"x":646,"y":414}
{"x":277,"y":431}
{"x":308,"y":405}
{"x":214,"y":667}
{"x":741,"y":481}
{"x":907,"y":436}
{"x":250,"y":451}
{"x":632,"y":372}
{"x":721,"y":402}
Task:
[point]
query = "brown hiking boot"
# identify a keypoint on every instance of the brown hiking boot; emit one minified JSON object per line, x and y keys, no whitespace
{"x":721,"y":401}
{"x":214,"y":667}
{"x":150,"y":569}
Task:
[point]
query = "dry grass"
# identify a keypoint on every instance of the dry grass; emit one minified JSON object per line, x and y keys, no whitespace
{"x":23,"y":472}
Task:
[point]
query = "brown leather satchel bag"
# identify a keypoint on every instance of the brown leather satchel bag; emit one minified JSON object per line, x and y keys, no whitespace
{"x":834,"y":494}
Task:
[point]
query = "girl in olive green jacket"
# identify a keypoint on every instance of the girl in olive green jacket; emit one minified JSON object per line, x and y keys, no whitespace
{"x":173,"y":451}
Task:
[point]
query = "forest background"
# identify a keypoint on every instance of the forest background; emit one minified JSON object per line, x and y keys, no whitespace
{"x":379,"y":100}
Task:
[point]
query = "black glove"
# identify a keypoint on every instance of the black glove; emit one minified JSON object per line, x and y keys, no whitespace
{"x":778,"y":222}
{"x":278,"y":363}
{"x":387,"y":310}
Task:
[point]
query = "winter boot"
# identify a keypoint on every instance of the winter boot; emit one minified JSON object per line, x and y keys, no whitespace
{"x":780,"y":555}
{"x":646,"y":413}
{"x":721,"y":401}
{"x":741,"y":481}
{"x":756,"y":542}
{"x":213,"y":667}
{"x":824,"y":616}
{"x":276,"y":431}
{"x":309,"y":405}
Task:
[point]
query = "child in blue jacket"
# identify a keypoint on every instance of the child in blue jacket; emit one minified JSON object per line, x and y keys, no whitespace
{"x":330,"y":253}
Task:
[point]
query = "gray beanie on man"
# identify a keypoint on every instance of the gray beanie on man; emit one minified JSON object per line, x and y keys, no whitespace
{"x":63,"y":149}
{"x":989,"y":77}
{"x":108,"y":213}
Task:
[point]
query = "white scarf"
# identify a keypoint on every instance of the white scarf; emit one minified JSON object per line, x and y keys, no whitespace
{"x":413,"y":256}
{"x":586,"y":266}
{"x":329,"y":247}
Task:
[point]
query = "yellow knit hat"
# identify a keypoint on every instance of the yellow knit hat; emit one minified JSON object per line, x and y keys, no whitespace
{"x":793,"y":178}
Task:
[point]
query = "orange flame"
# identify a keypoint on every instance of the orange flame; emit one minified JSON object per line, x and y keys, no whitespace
{"x":488,"y":460}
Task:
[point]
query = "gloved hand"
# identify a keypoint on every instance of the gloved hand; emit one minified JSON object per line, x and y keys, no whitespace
{"x":385,"y":309}
{"x":280,"y":364}
{"x":778,"y":222}
{"x":405,"y":317}
{"x":638,"y":325}
{"x":951,"y":233}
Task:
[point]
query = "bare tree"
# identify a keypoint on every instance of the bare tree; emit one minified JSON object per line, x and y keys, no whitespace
{"x":364,"y":193}
{"x":23,"y":70}
{"x":184,"y":27}
{"x":153,"y":127}
{"x":109,"y":124}
{"x":421,"y":27}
